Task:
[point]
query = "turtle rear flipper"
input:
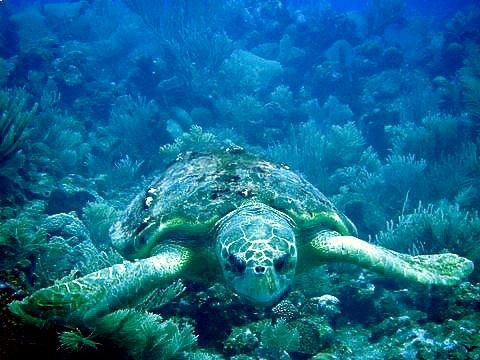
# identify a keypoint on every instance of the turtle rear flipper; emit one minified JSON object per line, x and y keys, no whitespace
{"x":439,"y":269}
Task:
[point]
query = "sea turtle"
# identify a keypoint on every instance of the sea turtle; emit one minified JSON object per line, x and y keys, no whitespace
{"x":233,"y":215}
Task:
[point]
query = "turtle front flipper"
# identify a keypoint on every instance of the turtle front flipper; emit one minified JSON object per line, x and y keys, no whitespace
{"x":79,"y":301}
{"x":439,"y":269}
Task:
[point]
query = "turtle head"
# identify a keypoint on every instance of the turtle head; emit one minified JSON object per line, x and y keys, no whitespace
{"x":256,"y":248}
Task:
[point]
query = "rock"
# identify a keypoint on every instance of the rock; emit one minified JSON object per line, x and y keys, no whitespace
{"x":422,"y":346}
{"x":242,"y":340}
{"x":41,"y":185}
{"x":68,"y":247}
{"x":389,"y":326}
{"x":182,"y":117}
{"x":201,"y":115}
{"x":67,"y":226}
{"x":71,"y":195}
{"x":315,"y":334}
{"x":285,"y":310}
{"x":324,"y":356}
{"x":327,"y":305}
{"x":242,"y":357}
{"x":174,"y":129}
{"x":250,"y":71}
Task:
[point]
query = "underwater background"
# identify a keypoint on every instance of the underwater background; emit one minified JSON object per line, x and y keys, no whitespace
{"x":376,"y":103}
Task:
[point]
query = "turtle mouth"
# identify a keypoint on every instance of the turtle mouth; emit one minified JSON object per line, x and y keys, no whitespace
{"x":260,"y":287}
{"x":264,"y":302}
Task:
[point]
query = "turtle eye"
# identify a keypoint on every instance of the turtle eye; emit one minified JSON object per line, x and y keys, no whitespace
{"x":281,"y":263}
{"x":236,"y":263}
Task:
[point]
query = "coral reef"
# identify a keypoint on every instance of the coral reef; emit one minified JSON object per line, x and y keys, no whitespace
{"x":13,"y":121}
{"x":376,"y":104}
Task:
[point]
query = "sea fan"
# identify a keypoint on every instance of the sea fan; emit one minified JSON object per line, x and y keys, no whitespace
{"x":145,"y":335}
{"x":14,"y":119}
{"x":304,"y":151}
{"x":432,"y":229}
{"x":98,"y":217}
{"x":404,"y":174}
{"x":135,"y":121}
{"x":21,"y":243}
{"x":471,"y":93}
{"x":345,"y":145}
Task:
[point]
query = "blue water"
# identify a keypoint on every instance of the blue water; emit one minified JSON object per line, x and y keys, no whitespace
{"x":375,"y":103}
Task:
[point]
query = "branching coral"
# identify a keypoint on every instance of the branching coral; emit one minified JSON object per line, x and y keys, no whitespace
{"x":194,"y":140}
{"x":14,"y":119}
{"x":246,"y":113}
{"x":161,"y":296}
{"x":464,"y":25}
{"x":135,"y":121}
{"x":304,"y":151}
{"x":60,"y":139}
{"x":21,"y":242}
{"x":75,"y":341}
{"x":125,"y":172}
{"x":404,"y":174}
{"x":334,"y":112}
{"x":197,"y":45}
{"x":142,"y":334}
{"x":67,"y":248}
{"x":360,"y":193}
{"x":145,"y":335}
{"x":6,"y":66}
{"x":345,"y":145}
{"x":318,"y":155}
{"x":437,"y":135}
{"x":432,"y":229}
{"x":456,"y":176}
{"x":354,"y":101}
{"x":380,"y":14}
{"x":171,"y":19}
{"x":281,"y":100}
{"x":470,"y":79}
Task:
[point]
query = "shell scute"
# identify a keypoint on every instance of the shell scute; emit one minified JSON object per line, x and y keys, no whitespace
{"x":185,"y":202}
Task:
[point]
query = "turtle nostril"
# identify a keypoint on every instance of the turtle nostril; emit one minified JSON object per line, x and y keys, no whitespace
{"x":259,"y":269}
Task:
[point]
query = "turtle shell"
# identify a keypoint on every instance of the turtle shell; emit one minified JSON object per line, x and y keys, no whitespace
{"x":184,"y":203}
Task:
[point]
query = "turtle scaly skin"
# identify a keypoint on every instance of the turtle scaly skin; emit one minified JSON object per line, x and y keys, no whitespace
{"x":438,"y":269}
{"x":85,"y":300}
{"x":257,"y":241}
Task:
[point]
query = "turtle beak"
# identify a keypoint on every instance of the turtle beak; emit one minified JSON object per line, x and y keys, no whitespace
{"x":260,"y":286}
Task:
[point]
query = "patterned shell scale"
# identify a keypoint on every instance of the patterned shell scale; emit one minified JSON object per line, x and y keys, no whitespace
{"x":199,"y":189}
